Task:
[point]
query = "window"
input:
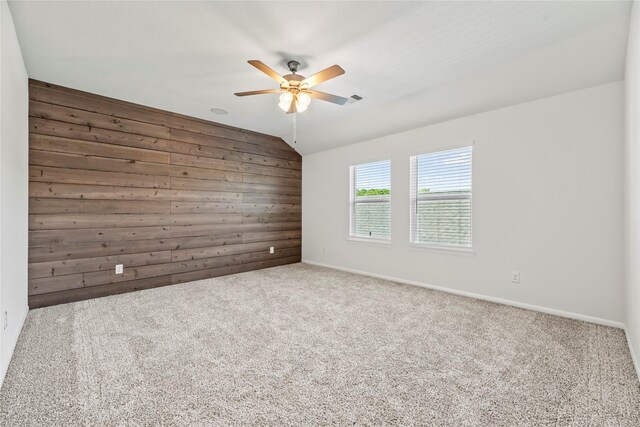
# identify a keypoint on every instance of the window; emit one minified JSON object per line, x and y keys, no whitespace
{"x":441,"y":198}
{"x":370,"y":195}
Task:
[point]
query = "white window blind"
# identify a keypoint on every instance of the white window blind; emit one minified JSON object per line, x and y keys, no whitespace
{"x":370,"y":197}
{"x":441,"y":198}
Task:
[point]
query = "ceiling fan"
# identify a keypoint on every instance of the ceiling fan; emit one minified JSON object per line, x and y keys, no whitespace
{"x":296,"y":89}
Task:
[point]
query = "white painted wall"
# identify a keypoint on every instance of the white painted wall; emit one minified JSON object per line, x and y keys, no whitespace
{"x":632,"y":184}
{"x":14,"y":140}
{"x":547,"y":202}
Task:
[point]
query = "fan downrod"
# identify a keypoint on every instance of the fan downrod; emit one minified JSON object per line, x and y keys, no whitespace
{"x":293,"y":66}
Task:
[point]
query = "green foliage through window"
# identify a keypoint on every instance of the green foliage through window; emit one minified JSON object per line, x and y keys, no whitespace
{"x":373,"y":192}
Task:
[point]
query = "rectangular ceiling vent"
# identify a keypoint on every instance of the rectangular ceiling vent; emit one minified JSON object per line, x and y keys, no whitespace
{"x":355,"y":98}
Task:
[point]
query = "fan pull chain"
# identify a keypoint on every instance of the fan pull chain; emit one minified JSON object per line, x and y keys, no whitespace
{"x":295,"y":131}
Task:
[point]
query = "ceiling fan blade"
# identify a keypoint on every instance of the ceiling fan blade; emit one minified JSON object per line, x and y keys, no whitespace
{"x":268,"y":71}
{"x":258,"y":92}
{"x":322,"y":76}
{"x":327,"y":97}
{"x":292,"y":106}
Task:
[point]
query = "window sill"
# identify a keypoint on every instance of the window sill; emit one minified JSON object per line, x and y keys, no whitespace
{"x":374,"y":242}
{"x":447,"y":250}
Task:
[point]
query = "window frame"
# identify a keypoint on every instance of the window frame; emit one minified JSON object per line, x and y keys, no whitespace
{"x":413,"y":199}
{"x":352,"y":236}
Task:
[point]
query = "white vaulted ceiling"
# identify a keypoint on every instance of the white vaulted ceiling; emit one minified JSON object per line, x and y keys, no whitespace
{"x":415,"y":63}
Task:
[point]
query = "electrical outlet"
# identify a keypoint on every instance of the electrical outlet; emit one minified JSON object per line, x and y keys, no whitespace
{"x":5,"y":320}
{"x":271,"y":250}
{"x":515,"y":277}
{"x":119,"y":268}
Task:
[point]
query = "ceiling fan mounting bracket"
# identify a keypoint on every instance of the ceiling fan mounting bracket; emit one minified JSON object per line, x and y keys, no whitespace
{"x":293,"y":66}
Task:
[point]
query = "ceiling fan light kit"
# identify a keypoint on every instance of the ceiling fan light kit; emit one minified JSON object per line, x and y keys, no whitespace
{"x":295,"y":89}
{"x":302,"y":101}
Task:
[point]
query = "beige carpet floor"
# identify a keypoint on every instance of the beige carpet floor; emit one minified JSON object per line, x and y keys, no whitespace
{"x":302,"y":345}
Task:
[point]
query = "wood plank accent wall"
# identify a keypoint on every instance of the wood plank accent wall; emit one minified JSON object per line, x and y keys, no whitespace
{"x":173,"y":198}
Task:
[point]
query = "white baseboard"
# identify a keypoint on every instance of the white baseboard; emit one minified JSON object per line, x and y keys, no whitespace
{"x":633,"y":354}
{"x":561,"y":313}
{"x":3,"y":373}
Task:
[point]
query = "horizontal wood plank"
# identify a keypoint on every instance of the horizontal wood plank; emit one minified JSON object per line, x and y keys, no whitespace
{"x":207,"y":252}
{"x":95,"y":120}
{"x":259,"y":160}
{"x":54,"y":252}
{"x":98,"y":149}
{"x":63,"y":221}
{"x":207,"y":163}
{"x":83,"y":265}
{"x":206,"y":208}
{"x":96,"y":235}
{"x":96,"y":177}
{"x":84,"y":101}
{"x":229,"y":144}
{"x":103,"y":192}
{"x":85,"y":206}
{"x":39,"y":126}
{"x":110,"y":164}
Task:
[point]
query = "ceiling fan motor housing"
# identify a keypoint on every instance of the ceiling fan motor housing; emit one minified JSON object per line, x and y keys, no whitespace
{"x":293,"y":80}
